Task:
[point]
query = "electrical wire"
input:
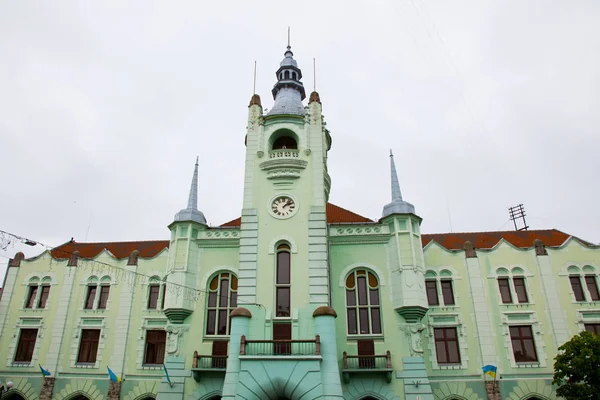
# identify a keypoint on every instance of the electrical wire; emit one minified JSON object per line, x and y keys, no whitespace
{"x":124,"y":270}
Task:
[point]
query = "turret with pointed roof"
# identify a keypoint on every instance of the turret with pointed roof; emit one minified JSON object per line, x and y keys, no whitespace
{"x":191,"y":213}
{"x":288,"y":92}
{"x":398,"y":205}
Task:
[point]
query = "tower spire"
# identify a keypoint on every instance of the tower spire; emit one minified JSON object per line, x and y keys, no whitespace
{"x":288,"y":92}
{"x":398,"y":205}
{"x":396,"y":193}
{"x":191,"y":213}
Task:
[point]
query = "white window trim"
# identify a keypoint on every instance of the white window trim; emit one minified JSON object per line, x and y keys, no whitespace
{"x":91,"y":280}
{"x":14,"y":342}
{"x":358,"y":336}
{"x":460,"y":334}
{"x":437,"y":271}
{"x":582,"y":274}
{"x":581,"y":320}
{"x":141,"y":350}
{"x":511,"y":285}
{"x":33,"y":280}
{"x":205,"y":321}
{"x":536,"y":328}
{"x":77,"y":340}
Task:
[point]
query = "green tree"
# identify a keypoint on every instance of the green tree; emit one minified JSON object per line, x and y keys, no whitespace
{"x":577,"y":368}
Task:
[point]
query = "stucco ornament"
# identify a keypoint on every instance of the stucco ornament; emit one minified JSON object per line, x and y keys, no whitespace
{"x":414,"y":334}
{"x":174,"y":333}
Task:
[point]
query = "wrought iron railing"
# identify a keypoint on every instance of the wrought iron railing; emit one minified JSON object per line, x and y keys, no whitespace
{"x":280,"y":347}
{"x":372,"y":362}
{"x":209,"y":361}
{"x":279,"y":153}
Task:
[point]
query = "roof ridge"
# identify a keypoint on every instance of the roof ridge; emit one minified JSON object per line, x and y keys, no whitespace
{"x":487,"y":232}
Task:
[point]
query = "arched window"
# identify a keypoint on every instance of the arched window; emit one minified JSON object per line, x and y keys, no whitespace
{"x":287,"y":74}
{"x":512,"y":286}
{"x":362,"y":303}
{"x":222,"y":299}
{"x":285,"y":142}
{"x":577,"y":280}
{"x":283,"y":281}
{"x":32,"y":291}
{"x":435,"y":283}
{"x":157,"y":291}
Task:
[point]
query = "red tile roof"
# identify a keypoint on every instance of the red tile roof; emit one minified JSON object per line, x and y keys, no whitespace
{"x":486,"y":240}
{"x":118,"y":249}
{"x":335,"y":215}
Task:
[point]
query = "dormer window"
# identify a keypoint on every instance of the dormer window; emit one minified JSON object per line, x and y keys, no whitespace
{"x":285,"y":142}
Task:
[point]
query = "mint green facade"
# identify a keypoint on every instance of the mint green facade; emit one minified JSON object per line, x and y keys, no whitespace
{"x":324,"y":253}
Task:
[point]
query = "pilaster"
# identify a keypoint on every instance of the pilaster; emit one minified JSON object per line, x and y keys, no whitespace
{"x":60,"y":320}
{"x":330,"y":374}
{"x":556,"y":313}
{"x":248,"y":257}
{"x":318,"y":271}
{"x":7,"y":290}
{"x":416,"y":382}
{"x":123,"y":321}
{"x":483,"y":323}
{"x":240,"y":325}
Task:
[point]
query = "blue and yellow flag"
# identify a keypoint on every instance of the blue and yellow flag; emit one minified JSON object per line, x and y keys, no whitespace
{"x":490,"y":370}
{"x":113,"y":377}
{"x":167,"y":375}
{"x":44,"y":371}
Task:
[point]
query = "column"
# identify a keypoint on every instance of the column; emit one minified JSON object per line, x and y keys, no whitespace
{"x":240,"y":325}
{"x":330,"y":374}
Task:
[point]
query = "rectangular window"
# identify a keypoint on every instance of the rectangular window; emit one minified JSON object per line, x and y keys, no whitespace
{"x":104,"y":291}
{"x":446,"y":346}
{"x":590,"y":281}
{"x":447,"y":292}
{"x":523,"y":344}
{"x":91,"y":296}
{"x":155,"y":347}
{"x":26,"y":345}
{"x":521,"y":289}
{"x":153,"y":291}
{"x":504,"y":286}
{"x":283,"y":301}
{"x":88,"y":345}
{"x":31,"y":296}
{"x":43,"y":297}
{"x":577,"y":288}
{"x":432,"y":294}
{"x":594,"y":328}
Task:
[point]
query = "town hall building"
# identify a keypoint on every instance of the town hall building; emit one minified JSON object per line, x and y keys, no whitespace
{"x":299,"y":298}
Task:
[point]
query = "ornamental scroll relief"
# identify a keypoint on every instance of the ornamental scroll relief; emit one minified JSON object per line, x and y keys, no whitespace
{"x":414,"y":334}
{"x":174,"y":333}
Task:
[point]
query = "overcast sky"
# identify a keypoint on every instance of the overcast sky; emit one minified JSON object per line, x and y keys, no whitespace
{"x":104,"y":107}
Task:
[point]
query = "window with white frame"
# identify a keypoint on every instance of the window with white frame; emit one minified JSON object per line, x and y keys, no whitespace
{"x":512,"y":286}
{"x":157,"y":291}
{"x":37,"y":293}
{"x":447,"y":344}
{"x":439,"y":288}
{"x":523,"y":343}
{"x":362,"y":303}
{"x":222,"y":299}
{"x":584,"y":283}
{"x":97,"y":293}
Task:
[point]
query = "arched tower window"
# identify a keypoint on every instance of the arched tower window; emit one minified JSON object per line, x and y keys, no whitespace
{"x":287,"y":74}
{"x":363,"y":310}
{"x":283,"y":281}
{"x":285,"y":142}
{"x":222,"y":299}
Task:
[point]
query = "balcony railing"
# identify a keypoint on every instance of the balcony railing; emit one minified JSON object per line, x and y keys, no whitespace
{"x":279,"y":153}
{"x":379,"y":363}
{"x":207,"y":364}
{"x":280,"y":347}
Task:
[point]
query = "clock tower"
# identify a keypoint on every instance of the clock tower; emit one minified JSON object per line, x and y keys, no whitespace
{"x":286,"y":188}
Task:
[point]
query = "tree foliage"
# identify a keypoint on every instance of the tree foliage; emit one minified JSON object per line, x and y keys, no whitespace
{"x":577,"y":368}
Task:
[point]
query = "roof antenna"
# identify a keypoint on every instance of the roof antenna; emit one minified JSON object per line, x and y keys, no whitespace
{"x":314,"y":75}
{"x":254,"y":87}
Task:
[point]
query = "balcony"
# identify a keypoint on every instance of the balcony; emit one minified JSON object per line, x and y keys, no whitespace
{"x":370,"y":364}
{"x":208,"y":365}
{"x":276,"y":348}
{"x":283,"y":164}
{"x":284,"y":153}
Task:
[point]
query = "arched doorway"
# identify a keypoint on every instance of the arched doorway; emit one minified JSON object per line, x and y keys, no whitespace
{"x":12,"y":396}
{"x":79,"y":397}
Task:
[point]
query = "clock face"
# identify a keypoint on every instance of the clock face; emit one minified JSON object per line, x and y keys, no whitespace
{"x":283,"y":206}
